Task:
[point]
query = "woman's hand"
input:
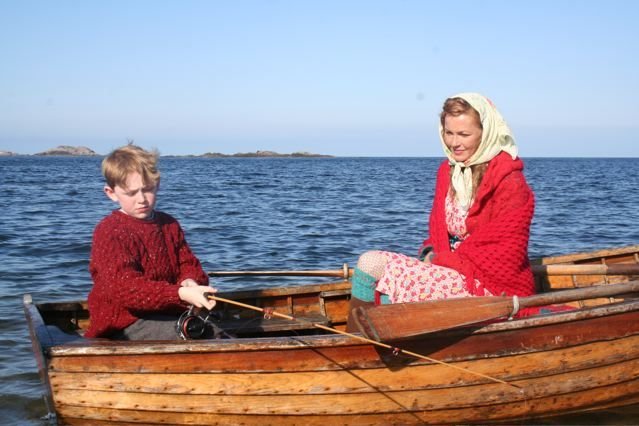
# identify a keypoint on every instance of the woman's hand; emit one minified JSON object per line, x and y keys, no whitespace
{"x":197,"y":295}
{"x":426,"y":253}
{"x":429,"y":257}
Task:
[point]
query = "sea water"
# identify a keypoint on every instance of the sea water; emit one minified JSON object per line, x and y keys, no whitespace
{"x":270,"y":213}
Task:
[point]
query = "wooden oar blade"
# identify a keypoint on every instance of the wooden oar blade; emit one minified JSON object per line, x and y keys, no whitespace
{"x":408,"y":320}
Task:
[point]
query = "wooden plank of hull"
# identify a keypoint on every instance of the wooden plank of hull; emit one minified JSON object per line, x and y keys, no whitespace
{"x":518,"y":411}
{"x":524,"y":410}
{"x":360,"y":403}
{"x":545,"y":396}
{"x":81,"y":415}
{"x":414,"y":377}
{"x":252,"y":359}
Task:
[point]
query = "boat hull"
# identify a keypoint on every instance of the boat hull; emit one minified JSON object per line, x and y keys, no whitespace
{"x":559,"y":364}
{"x":565,"y":362}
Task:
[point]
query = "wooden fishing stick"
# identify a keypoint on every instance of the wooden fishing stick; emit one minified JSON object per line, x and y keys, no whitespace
{"x":542,"y":270}
{"x":394,"y":349}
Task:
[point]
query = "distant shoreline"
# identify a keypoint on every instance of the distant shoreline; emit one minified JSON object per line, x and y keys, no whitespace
{"x":71,"y":151}
{"x":82,"y":151}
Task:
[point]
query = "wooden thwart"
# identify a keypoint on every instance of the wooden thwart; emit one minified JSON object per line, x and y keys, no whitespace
{"x":408,"y":320}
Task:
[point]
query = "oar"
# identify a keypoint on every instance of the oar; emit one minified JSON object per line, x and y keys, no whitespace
{"x":587,"y":269}
{"x":346,"y":272}
{"x":268,"y":312}
{"x":407,"y":320}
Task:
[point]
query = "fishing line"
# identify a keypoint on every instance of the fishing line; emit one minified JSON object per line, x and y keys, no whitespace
{"x":269,"y":312}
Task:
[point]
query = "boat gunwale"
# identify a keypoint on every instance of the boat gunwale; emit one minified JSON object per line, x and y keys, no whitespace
{"x":95,"y":347}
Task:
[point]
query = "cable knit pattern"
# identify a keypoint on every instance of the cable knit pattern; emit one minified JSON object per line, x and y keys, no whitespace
{"x":498,"y":223}
{"x":136,"y":266}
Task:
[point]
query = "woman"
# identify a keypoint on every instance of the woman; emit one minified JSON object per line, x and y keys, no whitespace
{"x":479,"y":224}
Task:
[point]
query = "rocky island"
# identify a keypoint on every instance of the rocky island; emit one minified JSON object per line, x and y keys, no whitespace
{"x":69,"y":150}
{"x":264,"y":154}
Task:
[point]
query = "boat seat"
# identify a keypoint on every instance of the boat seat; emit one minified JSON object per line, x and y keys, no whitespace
{"x":260,"y":324}
{"x":58,"y":337}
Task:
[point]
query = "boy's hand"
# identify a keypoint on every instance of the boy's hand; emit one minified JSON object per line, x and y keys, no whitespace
{"x":197,"y":296}
{"x":189,"y":283}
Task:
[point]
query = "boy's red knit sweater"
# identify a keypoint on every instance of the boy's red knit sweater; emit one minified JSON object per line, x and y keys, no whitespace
{"x":136,"y":266}
{"x":498,"y":223}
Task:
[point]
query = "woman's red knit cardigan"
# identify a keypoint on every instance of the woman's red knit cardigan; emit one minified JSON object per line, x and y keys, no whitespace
{"x":498,"y":223}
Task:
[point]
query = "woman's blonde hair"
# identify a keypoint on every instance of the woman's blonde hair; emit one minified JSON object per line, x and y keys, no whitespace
{"x":456,"y":107}
{"x":128,"y":159}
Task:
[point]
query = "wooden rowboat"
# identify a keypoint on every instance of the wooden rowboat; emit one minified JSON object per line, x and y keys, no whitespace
{"x":290,"y":372}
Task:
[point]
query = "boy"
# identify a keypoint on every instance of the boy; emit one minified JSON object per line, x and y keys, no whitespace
{"x":144,"y":273}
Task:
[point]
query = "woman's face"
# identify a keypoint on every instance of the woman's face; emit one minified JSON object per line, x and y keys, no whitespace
{"x":462,"y":135}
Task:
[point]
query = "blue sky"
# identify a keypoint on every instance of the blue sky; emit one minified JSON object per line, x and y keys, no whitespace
{"x":334,"y":77}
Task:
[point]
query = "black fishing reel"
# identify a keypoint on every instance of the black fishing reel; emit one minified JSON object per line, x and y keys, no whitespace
{"x":191,"y":324}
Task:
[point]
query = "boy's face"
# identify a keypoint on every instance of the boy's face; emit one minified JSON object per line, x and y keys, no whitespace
{"x":137,"y":199}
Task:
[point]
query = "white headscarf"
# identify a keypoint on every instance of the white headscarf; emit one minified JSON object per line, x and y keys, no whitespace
{"x":495,"y":137}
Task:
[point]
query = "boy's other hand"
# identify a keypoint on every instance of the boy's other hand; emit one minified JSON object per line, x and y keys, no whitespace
{"x":197,"y":296}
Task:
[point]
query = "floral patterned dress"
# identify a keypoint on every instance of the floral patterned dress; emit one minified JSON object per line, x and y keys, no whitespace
{"x":407,"y":279}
